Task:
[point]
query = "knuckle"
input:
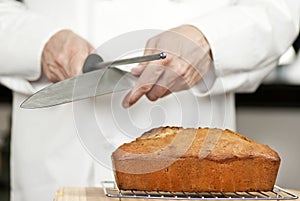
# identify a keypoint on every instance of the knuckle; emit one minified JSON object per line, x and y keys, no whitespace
{"x":156,"y":92}
{"x":59,"y":57}
{"x":181,"y":72}
{"x":52,"y":78}
{"x":151,"y":97}
{"x":144,"y":88}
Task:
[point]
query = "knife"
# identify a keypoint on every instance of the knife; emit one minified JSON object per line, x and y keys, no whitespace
{"x":98,"y":78}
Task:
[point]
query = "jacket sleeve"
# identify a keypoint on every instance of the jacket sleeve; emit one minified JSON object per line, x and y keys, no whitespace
{"x":23,"y":35}
{"x":247,"y":37}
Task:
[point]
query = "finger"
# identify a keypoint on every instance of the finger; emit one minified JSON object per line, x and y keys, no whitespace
{"x":48,"y":57}
{"x":57,"y":63}
{"x":173,"y":81}
{"x":45,"y":69}
{"x":175,"y":68}
{"x":144,"y":84}
{"x":61,"y":59}
{"x":133,"y":96}
{"x":194,"y":78}
{"x":138,"y":70}
{"x":181,"y":84}
{"x":151,"y":77}
{"x":167,"y":93}
{"x":76,"y":57}
{"x":156,"y":92}
{"x":195,"y":73}
{"x":163,"y":84}
{"x":76,"y":63}
{"x":141,"y":66}
{"x":53,"y":72}
{"x":56,"y":74}
{"x":143,"y":87}
{"x":191,"y":77}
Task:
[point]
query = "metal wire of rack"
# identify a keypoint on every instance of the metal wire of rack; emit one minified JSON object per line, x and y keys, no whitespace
{"x":111,"y":190}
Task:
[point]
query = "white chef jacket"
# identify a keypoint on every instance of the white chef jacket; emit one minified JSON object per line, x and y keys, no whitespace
{"x":70,"y":145}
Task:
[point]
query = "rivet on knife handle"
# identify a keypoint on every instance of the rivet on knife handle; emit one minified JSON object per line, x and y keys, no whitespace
{"x":97,"y":63}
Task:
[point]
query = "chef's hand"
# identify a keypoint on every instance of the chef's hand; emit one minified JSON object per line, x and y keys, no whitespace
{"x":64,"y":54}
{"x":188,"y":59}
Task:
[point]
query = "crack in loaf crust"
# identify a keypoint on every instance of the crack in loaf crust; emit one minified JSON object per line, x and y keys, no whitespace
{"x":203,"y":159}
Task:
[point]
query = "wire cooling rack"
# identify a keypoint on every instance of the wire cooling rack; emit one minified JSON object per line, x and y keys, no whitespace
{"x":111,"y":190}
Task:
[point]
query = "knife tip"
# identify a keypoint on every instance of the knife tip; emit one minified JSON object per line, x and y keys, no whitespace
{"x":26,"y":106}
{"x":29,"y":105}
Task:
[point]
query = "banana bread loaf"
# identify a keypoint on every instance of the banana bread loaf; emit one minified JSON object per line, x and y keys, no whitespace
{"x":195,"y":160}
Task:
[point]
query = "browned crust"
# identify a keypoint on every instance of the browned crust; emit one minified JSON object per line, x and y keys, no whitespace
{"x":230,"y":145}
{"x":235,"y":163}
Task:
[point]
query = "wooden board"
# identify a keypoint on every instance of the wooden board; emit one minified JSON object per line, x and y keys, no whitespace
{"x":96,"y":194}
{"x":80,"y":194}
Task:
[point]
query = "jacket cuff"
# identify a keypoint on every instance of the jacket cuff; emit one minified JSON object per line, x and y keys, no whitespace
{"x":35,"y":37}
{"x":25,"y":35}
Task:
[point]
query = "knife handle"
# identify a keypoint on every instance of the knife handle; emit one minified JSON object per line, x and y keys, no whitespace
{"x":95,"y":62}
{"x":91,"y":61}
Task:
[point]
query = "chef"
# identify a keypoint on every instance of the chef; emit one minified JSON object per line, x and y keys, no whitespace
{"x":236,"y":44}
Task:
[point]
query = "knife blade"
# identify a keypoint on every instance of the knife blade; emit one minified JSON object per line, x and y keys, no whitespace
{"x":98,"y":78}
